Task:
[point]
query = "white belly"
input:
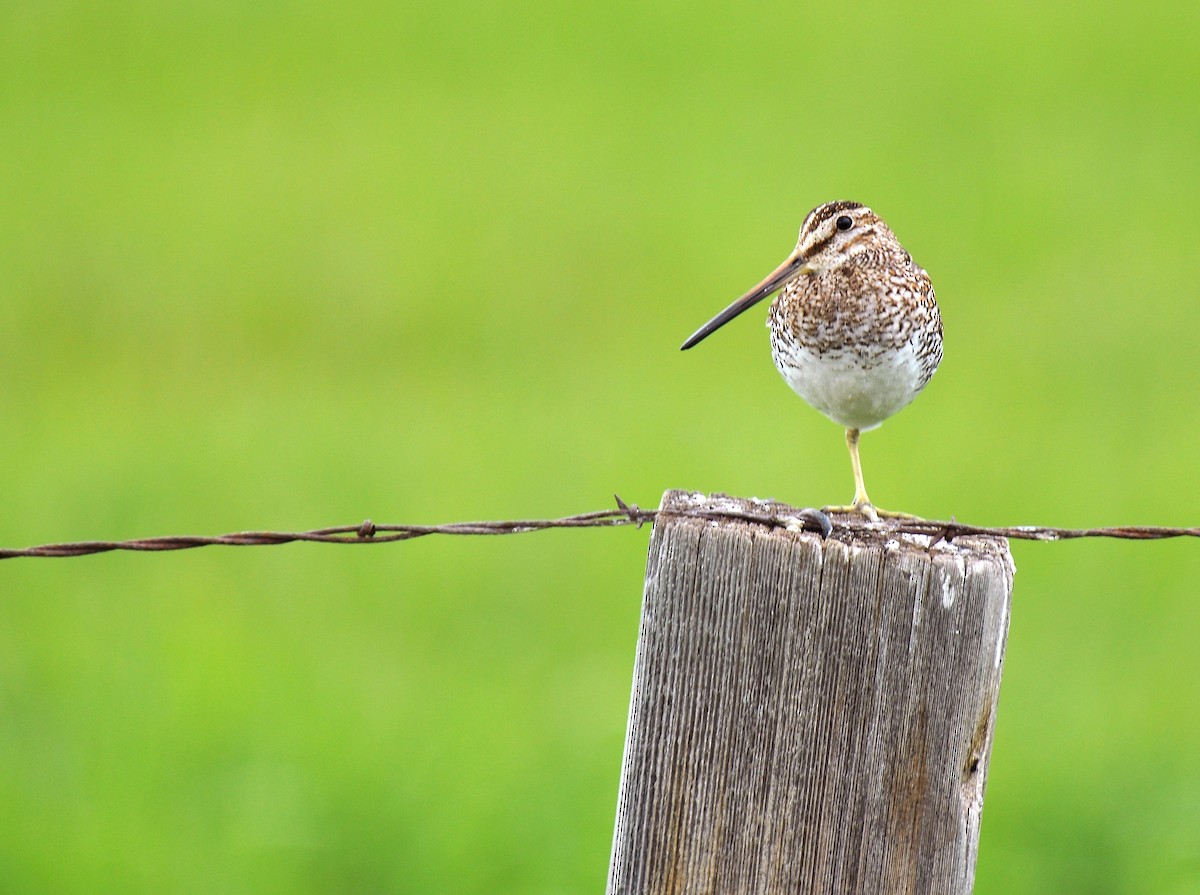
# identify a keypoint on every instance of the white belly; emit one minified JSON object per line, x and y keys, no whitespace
{"x":856,"y":392}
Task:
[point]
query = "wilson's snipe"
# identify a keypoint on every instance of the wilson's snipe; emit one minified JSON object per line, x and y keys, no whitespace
{"x":855,"y":330}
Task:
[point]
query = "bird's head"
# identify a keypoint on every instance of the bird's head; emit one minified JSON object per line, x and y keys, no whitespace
{"x":831,"y":235}
{"x":834,"y":233}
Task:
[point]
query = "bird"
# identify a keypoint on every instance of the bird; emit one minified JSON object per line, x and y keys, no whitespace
{"x":855,"y":328}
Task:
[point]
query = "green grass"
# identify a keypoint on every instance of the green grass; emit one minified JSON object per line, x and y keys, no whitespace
{"x":290,"y":265}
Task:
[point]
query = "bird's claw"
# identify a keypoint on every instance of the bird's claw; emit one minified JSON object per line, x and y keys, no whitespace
{"x":871,"y":512}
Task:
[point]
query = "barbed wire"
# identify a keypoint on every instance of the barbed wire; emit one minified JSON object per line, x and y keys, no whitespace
{"x":623,"y":514}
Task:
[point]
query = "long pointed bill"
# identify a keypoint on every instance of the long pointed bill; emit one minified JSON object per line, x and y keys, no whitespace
{"x":795,"y":265}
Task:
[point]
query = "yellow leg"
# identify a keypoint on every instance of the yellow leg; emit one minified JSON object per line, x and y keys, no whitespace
{"x":862,"y":504}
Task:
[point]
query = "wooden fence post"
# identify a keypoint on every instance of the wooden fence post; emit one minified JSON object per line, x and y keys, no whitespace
{"x":808,"y":715}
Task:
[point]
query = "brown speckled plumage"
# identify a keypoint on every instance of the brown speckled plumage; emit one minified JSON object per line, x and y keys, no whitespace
{"x":865,"y":301}
{"x":855,"y":329}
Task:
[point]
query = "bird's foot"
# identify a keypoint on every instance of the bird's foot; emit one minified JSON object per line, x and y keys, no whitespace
{"x":854,"y":509}
{"x":892,"y":514}
{"x":873,"y":513}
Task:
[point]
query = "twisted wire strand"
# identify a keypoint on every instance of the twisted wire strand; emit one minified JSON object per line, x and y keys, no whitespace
{"x":623,"y":514}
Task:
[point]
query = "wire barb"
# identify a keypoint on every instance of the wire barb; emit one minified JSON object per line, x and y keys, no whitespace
{"x":624,"y":514}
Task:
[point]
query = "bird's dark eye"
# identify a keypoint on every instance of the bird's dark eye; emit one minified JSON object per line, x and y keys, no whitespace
{"x":845,"y":222}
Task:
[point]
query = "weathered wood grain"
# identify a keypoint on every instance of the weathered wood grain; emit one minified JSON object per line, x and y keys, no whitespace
{"x":809,"y":716}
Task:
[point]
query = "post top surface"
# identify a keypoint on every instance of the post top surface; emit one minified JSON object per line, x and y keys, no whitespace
{"x":773,"y":518}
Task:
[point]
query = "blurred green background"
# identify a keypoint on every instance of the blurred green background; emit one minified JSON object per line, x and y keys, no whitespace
{"x":291,"y":265}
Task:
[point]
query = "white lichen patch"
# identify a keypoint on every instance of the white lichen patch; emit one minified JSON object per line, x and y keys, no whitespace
{"x":953,"y":579}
